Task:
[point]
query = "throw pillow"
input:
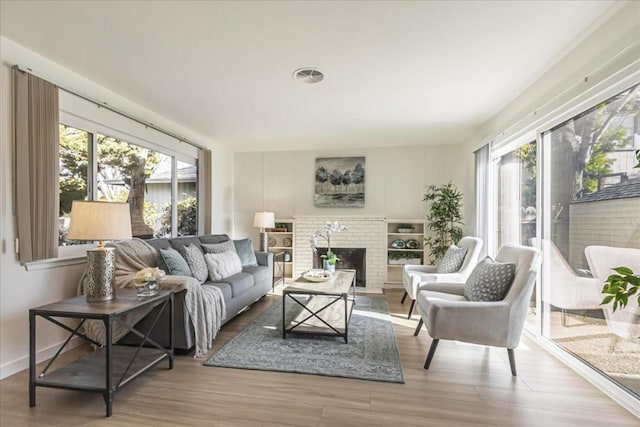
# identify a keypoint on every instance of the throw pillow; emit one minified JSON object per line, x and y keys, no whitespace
{"x":218,"y":248}
{"x":176,"y":265}
{"x":223,"y":265}
{"x":490,"y":280}
{"x":452,"y":260}
{"x":245,"y":252}
{"x":195,"y":259}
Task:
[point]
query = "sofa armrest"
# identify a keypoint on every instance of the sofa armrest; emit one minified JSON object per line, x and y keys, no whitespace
{"x":265,"y":258}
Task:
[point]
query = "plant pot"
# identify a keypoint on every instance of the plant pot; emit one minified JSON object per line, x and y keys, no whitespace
{"x":149,"y":289}
{"x":328,"y":267}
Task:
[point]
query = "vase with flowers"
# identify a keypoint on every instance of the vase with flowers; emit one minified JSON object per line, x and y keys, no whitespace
{"x":330,"y":259}
{"x":146,"y":281}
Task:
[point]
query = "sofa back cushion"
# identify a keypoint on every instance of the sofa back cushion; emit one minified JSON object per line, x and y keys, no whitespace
{"x":178,"y":242}
{"x":195,"y":260}
{"x":222,"y":265}
{"x":214,"y":238}
{"x":244,"y":249}
{"x":175,"y":263}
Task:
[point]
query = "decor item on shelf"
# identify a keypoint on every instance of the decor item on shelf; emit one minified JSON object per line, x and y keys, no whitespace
{"x":146,"y":281}
{"x":339,"y":182}
{"x":280,"y":227}
{"x":287,"y":257}
{"x":398,"y":244}
{"x":287,"y":242}
{"x":413,"y":244}
{"x":405,"y":258}
{"x":444,"y":217}
{"x":272,"y":242}
{"x":264,"y":220}
{"x":405,"y":228}
{"x":100,"y":221}
{"x":330,"y":259}
{"x":317,"y":275}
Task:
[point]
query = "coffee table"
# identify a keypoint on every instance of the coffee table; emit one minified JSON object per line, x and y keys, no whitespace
{"x":326,"y":306}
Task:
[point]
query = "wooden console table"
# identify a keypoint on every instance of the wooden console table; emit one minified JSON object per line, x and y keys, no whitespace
{"x":110,"y":367}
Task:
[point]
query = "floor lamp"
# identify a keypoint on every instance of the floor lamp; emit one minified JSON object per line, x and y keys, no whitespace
{"x":264,"y":220}
{"x":100,"y":221}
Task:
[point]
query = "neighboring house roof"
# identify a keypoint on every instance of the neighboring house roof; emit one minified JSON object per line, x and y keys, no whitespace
{"x":621,"y":190}
{"x":163,"y":175}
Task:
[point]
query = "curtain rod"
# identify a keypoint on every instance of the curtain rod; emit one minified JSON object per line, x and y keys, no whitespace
{"x":112,"y":109}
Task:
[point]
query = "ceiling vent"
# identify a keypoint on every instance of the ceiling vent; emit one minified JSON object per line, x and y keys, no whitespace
{"x":308,"y":75}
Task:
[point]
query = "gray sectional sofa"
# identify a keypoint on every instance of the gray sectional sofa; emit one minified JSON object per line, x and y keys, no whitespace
{"x":239,"y":291}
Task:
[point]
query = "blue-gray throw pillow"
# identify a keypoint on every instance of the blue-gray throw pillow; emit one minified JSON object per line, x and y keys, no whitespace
{"x":195,"y":259}
{"x":490,"y":280}
{"x":452,"y":260}
{"x":176,"y":265}
{"x":244,"y":250}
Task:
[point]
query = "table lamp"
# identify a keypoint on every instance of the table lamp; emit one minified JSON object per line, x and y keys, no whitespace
{"x":264,"y":220}
{"x":100,"y":221}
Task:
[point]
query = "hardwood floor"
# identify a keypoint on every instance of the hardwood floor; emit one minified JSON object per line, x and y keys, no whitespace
{"x":466,"y":385}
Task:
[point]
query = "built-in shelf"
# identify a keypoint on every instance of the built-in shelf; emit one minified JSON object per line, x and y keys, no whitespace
{"x":277,"y":245}
{"x":394,"y":271}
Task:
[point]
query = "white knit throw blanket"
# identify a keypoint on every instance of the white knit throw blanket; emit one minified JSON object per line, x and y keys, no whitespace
{"x":204,"y":304}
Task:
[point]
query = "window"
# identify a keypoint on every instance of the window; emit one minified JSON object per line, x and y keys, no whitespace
{"x":160,"y":189}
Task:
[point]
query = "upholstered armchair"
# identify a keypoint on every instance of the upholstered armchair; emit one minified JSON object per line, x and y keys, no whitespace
{"x":449,"y":315}
{"x":624,"y":322}
{"x":415,"y":275}
{"x":565,"y":289}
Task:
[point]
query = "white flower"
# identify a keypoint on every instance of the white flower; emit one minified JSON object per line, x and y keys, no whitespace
{"x":148,"y":274}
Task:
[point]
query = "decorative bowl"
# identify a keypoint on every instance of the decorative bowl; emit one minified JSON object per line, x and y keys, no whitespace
{"x":405,"y":230}
{"x":317,"y":275}
{"x":398,"y":244}
{"x":413,"y":244}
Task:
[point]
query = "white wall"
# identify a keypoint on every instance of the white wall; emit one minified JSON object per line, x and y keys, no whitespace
{"x":21,"y":289}
{"x":395,"y":179}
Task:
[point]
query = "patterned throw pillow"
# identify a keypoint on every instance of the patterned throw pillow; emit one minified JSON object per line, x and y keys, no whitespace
{"x":218,"y":248}
{"x":223,"y":265}
{"x":452,"y":260}
{"x":176,"y":265}
{"x":244,"y":249}
{"x":490,"y":280}
{"x":195,"y":259}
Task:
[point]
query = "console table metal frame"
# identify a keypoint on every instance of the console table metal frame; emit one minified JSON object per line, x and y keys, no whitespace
{"x":307,"y":289}
{"x":85,"y":373}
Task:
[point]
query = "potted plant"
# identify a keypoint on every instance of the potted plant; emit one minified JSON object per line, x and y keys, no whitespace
{"x":405,"y":228}
{"x":330,"y":259}
{"x":620,"y":287}
{"x":444,"y":217}
{"x":405,"y":258}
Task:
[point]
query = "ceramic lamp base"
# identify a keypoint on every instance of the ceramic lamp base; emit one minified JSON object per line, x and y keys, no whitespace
{"x":101,"y":274}
{"x":264,"y":241}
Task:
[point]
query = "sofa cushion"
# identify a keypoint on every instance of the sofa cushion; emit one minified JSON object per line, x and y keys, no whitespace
{"x":245,"y":252}
{"x":260,"y":272}
{"x":195,"y":260}
{"x":222,"y":265}
{"x":490,"y":280}
{"x":214,"y":238}
{"x":227,"y":293}
{"x":218,"y":248}
{"x":176,"y":265}
{"x":240,"y":283}
{"x":159,"y":243}
{"x":179,"y":242}
{"x":452,"y":260}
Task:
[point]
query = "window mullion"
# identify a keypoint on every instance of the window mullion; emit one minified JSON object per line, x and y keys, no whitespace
{"x":174,"y":196}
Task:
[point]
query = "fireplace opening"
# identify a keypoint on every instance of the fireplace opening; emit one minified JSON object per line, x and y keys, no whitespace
{"x":350,"y":258}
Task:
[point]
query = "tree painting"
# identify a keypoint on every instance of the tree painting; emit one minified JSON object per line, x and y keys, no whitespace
{"x":340,"y":182}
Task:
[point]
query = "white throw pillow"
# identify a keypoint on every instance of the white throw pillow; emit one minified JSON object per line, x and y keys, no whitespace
{"x":223,"y":265}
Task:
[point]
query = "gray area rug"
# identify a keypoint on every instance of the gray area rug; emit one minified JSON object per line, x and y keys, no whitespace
{"x":371,"y":354}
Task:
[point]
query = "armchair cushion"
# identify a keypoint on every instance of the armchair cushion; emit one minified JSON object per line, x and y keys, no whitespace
{"x":452,"y":260}
{"x":490,"y":280}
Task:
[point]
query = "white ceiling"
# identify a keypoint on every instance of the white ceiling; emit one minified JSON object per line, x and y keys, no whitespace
{"x":397,"y":73}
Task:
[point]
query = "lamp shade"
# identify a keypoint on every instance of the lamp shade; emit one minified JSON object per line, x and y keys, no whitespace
{"x":264,"y":220}
{"x":99,"y":221}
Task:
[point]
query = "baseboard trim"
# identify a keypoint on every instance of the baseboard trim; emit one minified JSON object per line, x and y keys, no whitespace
{"x":607,"y":386}
{"x":22,"y":363}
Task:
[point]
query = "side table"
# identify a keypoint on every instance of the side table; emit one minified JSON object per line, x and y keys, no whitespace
{"x":278,"y":264}
{"x":108,"y":369}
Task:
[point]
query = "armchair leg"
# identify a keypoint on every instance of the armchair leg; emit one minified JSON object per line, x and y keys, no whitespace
{"x":432,"y":351}
{"x":417,"y":331}
{"x":413,"y":303}
{"x":404,"y":297}
{"x":512,"y":361}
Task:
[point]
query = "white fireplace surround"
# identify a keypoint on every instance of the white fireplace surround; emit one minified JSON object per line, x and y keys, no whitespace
{"x":367,"y":232}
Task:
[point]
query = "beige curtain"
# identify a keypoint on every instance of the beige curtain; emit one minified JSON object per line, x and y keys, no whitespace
{"x":205,"y":198}
{"x":37,"y":172}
